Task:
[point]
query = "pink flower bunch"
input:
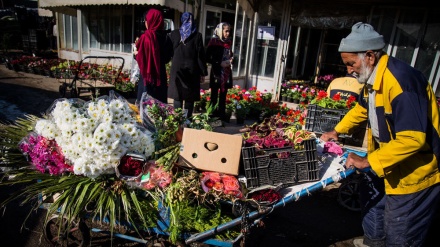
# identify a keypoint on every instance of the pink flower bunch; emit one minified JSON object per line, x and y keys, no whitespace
{"x":326,"y":78}
{"x":158,"y":177}
{"x":333,"y":147}
{"x":223,"y":183}
{"x":45,"y":155}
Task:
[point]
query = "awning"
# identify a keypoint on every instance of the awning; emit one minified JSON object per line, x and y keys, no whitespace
{"x":174,"y":4}
{"x":44,"y":12}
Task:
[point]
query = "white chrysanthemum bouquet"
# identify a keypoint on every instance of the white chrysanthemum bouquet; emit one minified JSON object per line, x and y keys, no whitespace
{"x":93,"y":136}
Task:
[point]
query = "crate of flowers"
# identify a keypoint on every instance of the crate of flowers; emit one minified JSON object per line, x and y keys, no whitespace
{"x":324,"y":113}
{"x":279,"y":153}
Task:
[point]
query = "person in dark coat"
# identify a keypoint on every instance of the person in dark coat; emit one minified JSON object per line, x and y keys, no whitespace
{"x":154,"y":51}
{"x":219,"y":55}
{"x":188,"y":66}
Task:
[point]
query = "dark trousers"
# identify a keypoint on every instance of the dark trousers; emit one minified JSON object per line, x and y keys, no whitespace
{"x":221,"y":99}
{"x":157,"y":92}
{"x":189,"y":107}
{"x":396,"y":220}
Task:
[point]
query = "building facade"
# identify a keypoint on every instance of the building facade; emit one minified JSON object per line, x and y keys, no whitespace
{"x":273,"y":40}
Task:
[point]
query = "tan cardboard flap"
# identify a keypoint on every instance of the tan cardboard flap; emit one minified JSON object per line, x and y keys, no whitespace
{"x":210,"y":151}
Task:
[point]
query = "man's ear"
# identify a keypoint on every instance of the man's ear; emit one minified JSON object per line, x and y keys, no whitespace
{"x":371,"y":58}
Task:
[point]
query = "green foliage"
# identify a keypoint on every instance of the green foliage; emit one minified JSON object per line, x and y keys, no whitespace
{"x":203,"y":120}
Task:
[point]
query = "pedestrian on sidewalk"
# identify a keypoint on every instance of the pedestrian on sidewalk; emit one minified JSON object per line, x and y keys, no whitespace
{"x":401,"y":187}
{"x":219,"y":55}
{"x":154,"y":51}
{"x":188,"y":66}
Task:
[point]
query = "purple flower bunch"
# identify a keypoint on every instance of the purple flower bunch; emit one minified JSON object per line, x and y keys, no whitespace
{"x":154,"y":112}
{"x":45,"y":155}
{"x":326,"y":78}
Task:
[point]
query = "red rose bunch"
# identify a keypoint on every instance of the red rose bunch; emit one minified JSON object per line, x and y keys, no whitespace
{"x":129,"y":166}
{"x":268,"y":195}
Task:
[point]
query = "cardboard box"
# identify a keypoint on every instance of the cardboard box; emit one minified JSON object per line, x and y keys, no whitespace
{"x":210,"y":151}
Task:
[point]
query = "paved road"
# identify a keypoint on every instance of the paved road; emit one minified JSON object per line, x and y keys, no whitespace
{"x":317,"y":220}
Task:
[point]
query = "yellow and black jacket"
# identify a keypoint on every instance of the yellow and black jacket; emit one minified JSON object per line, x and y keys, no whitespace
{"x":408,"y":152}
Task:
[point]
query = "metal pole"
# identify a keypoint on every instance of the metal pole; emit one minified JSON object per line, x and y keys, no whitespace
{"x":255,"y":214}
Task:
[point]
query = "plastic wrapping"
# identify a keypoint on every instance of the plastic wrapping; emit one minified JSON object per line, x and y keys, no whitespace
{"x":134,"y":72}
{"x":153,"y":112}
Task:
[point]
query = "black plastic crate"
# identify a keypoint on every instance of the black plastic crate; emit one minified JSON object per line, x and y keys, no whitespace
{"x":280,"y":166}
{"x":320,"y":119}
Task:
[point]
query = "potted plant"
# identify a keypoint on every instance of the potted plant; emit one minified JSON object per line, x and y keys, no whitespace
{"x":295,"y":94}
{"x":241,"y":111}
{"x":284,"y":94}
{"x":228,"y":112}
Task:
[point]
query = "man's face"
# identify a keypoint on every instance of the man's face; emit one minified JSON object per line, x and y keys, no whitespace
{"x":360,"y":67}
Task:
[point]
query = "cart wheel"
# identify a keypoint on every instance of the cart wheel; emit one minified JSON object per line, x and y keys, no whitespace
{"x":73,"y":93}
{"x":58,"y":232}
{"x":62,"y":89}
{"x":348,"y":195}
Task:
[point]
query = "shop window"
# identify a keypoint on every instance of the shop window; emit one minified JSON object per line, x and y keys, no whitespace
{"x":429,"y":48}
{"x":407,"y":34}
{"x":70,"y":34}
{"x":266,"y":48}
{"x":85,"y":33}
{"x":109,"y":28}
{"x":226,"y":4}
{"x":241,"y":43}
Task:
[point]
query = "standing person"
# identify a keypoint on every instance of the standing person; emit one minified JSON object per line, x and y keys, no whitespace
{"x":345,"y":86}
{"x":401,"y":191}
{"x":188,"y":66}
{"x":219,"y":55}
{"x":153,"y":53}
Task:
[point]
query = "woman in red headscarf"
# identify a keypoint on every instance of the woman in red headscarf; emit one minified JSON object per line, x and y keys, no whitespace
{"x":154,"y":52}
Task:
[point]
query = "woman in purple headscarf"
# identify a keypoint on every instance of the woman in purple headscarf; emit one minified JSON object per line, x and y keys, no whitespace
{"x":188,"y":67}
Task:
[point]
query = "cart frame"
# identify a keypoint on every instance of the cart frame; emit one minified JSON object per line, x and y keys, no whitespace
{"x":90,"y":86}
{"x":250,"y":219}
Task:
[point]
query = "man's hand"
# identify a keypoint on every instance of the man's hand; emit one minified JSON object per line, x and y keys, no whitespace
{"x":329,"y":136}
{"x":354,"y":160}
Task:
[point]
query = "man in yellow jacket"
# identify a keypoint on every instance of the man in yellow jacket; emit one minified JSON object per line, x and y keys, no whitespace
{"x":401,"y":186}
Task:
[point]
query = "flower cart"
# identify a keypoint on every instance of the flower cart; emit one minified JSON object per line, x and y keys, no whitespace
{"x":93,"y":76}
{"x":96,"y":168}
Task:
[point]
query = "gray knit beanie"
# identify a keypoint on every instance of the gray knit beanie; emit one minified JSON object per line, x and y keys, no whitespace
{"x":363,"y":37}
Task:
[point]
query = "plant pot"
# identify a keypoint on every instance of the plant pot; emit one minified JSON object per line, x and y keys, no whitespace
{"x":296,"y":101}
{"x":16,"y":67}
{"x":196,"y":109}
{"x":240,"y":120}
{"x":227,"y":117}
{"x":283,"y":98}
